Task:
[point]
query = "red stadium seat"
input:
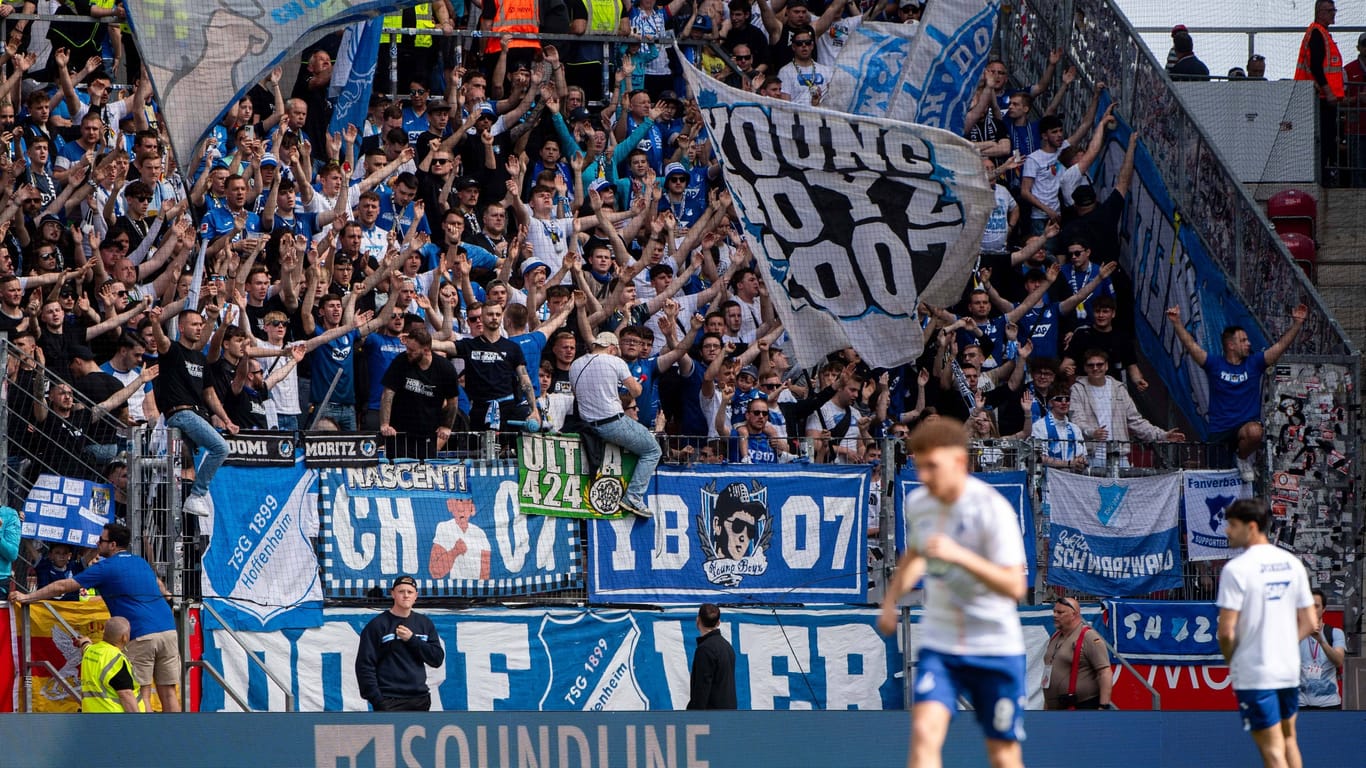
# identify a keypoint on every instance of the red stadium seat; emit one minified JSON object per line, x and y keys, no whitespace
{"x":1293,"y":210}
{"x":1302,"y":250}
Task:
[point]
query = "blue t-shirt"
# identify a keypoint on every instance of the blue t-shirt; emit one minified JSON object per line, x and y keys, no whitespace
{"x":1042,"y":320}
{"x":48,"y":572}
{"x":1235,"y":391}
{"x":760,"y":449}
{"x":325,"y":361}
{"x":415,"y":125}
{"x":305,"y":224}
{"x":646,"y":371}
{"x":388,"y":216}
{"x":130,"y":589}
{"x":532,"y":344}
{"x":219,"y":222}
{"x":380,"y":350}
{"x":739,"y":403}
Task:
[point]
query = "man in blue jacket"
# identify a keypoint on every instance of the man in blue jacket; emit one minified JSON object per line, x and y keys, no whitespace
{"x":394,"y":646}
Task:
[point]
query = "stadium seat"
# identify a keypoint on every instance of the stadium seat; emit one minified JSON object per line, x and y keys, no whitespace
{"x":1294,"y":210}
{"x":1302,"y":250}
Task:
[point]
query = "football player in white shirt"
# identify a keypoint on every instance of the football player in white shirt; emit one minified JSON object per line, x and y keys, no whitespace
{"x":1265,"y":610}
{"x":965,"y":540}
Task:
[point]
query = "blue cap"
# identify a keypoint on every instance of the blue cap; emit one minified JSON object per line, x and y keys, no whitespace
{"x":675,"y":169}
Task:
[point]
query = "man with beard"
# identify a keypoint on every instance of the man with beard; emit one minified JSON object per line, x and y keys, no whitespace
{"x":419,"y":406}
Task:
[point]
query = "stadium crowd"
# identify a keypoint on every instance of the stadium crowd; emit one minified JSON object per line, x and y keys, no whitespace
{"x":438,"y":269}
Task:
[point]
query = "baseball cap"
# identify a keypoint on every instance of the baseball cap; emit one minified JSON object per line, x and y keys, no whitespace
{"x":750,"y":371}
{"x":401,"y":580}
{"x":580,"y":113}
{"x":673,"y":97}
{"x":531,"y":264}
{"x":1178,"y":28}
{"x":438,"y":105}
{"x":269,"y":159}
{"x":599,"y":185}
{"x":80,"y":352}
{"x":605,"y":339}
{"x":50,"y":217}
{"x":486,"y":108}
{"x":702,"y":23}
{"x":675,"y":169}
{"x":465,"y":182}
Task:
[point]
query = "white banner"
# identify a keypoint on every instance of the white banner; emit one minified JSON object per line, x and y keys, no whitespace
{"x":868,"y":68}
{"x":854,"y":220}
{"x":1207,"y":496}
{"x":945,"y":62}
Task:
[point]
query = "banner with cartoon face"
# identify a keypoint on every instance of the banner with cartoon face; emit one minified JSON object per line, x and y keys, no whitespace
{"x":453,"y":526}
{"x":731,"y":534}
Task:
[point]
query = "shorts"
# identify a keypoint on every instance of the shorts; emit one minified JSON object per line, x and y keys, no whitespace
{"x":1263,"y":708}
{"x":156,"y":658}
{"x":994,"y":685}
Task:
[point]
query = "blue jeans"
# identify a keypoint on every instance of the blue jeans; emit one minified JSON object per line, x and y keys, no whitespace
{"x":201,"y":434}
{"x":632,"y":436}
{"x":288,"y":421}
{"x":342,"y":413}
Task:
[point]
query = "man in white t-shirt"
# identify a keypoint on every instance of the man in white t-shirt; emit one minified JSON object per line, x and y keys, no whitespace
{"x":805,"y":80}
{"x":596,"y":378}
{"x":963,"y":537}
{"x":460,"y":550}
{"x":1265,"y":610}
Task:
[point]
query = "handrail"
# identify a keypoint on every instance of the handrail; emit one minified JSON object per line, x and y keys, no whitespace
{"x":289,"y":696}
{"x":1123,"y":662}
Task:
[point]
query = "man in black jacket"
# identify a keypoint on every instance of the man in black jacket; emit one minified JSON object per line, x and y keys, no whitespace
{"x":713,"y":664}
{"x":394,"y":646}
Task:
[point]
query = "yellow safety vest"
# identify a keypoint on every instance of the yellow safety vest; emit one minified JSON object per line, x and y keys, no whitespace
{"x":604,"y":15}
{"x":98,"y":666}
{"x":123,"y":26}
{"x":422,"y":20}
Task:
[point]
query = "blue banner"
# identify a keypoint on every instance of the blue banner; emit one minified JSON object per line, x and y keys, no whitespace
{"x":1171,"y":267}
{"x":260,"y":570}
{"x":1014,"y":486}
{"x":946,"y":62}
{"x":67,"y":510}
{"x":774,"y":534}
{"x":1164,"y":631}
{"x":452,"y":526}
{"x":353,"y":75}
{"x":576,"y":660}
{"x":1113,"y":537}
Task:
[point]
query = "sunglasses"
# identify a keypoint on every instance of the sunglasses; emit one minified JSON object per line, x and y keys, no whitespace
{"x":47,"y":255}
{"x":1062,"y":399}
{"x":1095,"y":365}
{"x":742,"y":57}
{"x":276,"y":324}
{"x":439,"y":161}
{"x":759,"y":413}
{"x":740,"y":526}
{"x":1076,"y":253}
{"x":143,"y":198}
{"x":803,"y":42}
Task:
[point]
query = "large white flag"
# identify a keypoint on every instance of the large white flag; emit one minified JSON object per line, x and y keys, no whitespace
{"x":945,"y":62}
{"x":854,"y":220}
{"x":202,"y":55}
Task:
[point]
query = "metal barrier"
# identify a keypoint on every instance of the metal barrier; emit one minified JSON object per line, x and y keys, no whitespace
{"x":26,"y":663}
{"x":216,"y":673}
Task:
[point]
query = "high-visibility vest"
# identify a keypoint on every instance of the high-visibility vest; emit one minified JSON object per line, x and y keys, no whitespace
{"x":422,"y":19}
{"x":514,"y":17}
{"x":1332,"y":63}
{"x":604,"y":16}
{"x":98,"y":666}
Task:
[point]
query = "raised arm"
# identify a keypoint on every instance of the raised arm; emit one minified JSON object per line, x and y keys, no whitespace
{"x":1193,"y":348}
{"x":1297,"y":318}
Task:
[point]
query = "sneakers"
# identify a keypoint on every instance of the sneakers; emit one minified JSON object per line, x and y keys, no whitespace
{"x":1246,"y":469}
{"x":197,"y":504}
{"x":637,"y":507}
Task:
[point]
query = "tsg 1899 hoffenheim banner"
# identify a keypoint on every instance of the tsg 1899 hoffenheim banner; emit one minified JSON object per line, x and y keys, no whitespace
{"x":1208,"y":493}
{"x":454,"y":527}
{"x":1114,"y":537}
{"x":854,"y":220}
{"x":260,"y":570}
{"x":776,"y":534}
{"x":204,"y":54}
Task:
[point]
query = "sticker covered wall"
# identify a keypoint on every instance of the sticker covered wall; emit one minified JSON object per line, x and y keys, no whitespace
{"x":774,"y":534}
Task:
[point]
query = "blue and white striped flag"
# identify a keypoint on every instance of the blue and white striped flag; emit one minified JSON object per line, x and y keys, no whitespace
{"x":354,"y":74}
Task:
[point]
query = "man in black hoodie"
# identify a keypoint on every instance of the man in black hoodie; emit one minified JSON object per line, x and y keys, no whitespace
{"x":394,"y":646}
{"x":713,"y":664}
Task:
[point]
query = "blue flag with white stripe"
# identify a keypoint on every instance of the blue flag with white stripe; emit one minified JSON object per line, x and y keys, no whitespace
{"x":353,"y":75}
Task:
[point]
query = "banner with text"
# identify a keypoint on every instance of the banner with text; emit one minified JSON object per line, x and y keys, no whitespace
{"x":1113,"y":537}
{"x":868,"y":68}
{"x":1014,"y":486}
{"x":552,"y":478}
{"x":1206,"y":497}
{"x":722,"y":534}
{"x":260,"y":570}
{"x":202,"y":57}
{"x":67,"y":510}
{"x":854,"y":220}
{"x":945,"y":63}
{"x":1164,"y":631}
{"x":454,"y":527}
{"x":576,"y":660}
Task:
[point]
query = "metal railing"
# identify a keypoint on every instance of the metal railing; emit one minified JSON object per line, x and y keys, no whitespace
{"x":216,"y":673}
{"x":26,"y":662}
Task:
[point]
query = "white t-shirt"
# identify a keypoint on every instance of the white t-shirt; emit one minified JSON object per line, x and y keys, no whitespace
{"x":829,"y":45}
{"x":284,"y":396}
{"x":829,"y":417}
{"x":467,"y":565}
{"x":1068,"y":182}
{"x":1267,"y":586}
{"x":1043,"y":167}
{"x":962,"y":616}
{"x":800,"y":80}
{"x":549,"y":239}
{"x":596,"y":379}
{"x":998,"y":224}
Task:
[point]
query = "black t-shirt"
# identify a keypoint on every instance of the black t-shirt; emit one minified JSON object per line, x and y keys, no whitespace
{"x":57,"y":348}
{"x":249,"y":409}
{"x":419,"y":395}
{"x":1119,"y":346}
{"x":490,"y":367}
{"x":988,"y":129}
{"x":257,"y":316}
{"x":560,"y":383}
{"x":221,"y":374}
{"x":9,"y":325}
{"x":20,"y":424}
{"x":181,"y":378}
{"x":65,"y":441}
{"x":1100,"y":227}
